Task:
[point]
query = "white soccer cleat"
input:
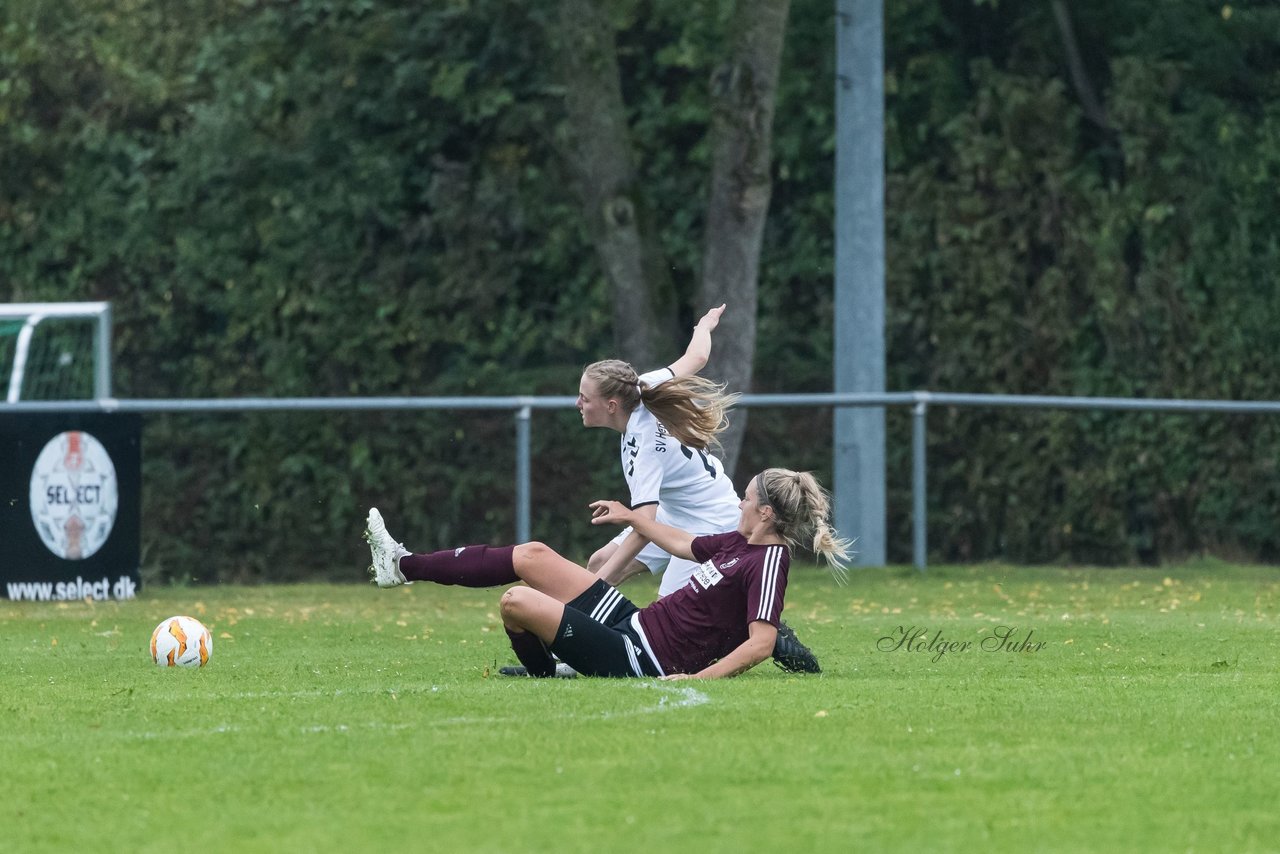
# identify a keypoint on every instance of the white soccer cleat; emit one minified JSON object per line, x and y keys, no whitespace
{"x":386,"y":552}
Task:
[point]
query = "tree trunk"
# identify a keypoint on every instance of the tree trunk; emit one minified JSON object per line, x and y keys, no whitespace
{"x":1093,"y":109}
{"x":743,"y":92}
{"x":600,"y":155}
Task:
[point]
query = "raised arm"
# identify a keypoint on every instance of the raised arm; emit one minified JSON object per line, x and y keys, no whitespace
{"x":699,"y":349}
{"x":671,"y":540}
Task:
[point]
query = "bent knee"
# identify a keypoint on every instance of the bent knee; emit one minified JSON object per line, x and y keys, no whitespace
{"x":514,"y":602}
{"x":598,"y":560}
{"x":532,"y":552}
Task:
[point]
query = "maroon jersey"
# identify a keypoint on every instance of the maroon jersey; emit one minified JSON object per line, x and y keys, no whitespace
{"x":707,"y":619}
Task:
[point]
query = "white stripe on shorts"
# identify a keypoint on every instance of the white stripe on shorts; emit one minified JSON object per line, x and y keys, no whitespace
{"x":608,"y":602}
{"x":631,"y":656}
{"x":635,"y":624}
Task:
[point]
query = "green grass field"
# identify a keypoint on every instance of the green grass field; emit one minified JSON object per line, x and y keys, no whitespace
{"x":346,"y":718}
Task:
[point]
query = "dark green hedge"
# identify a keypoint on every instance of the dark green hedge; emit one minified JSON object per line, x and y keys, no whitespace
{"x":357,"y":198}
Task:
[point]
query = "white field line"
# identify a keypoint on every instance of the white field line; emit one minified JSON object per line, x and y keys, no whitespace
{"x":669,"y":697}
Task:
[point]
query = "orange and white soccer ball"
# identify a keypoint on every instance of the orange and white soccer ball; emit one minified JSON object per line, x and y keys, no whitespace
{"x":181,"y":642}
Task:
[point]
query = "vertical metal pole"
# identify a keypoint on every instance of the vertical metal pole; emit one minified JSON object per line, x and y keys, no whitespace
{"x":919,"y":485}
{"x":102,"y":372}
{"x":21,"y":348}
{"x":522,"y":474}
{"x":859,"y":440}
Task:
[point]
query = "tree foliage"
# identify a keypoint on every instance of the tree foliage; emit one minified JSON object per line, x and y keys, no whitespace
{"x":336,"y":197}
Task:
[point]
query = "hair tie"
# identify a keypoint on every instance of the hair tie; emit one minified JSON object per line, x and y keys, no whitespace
{"x":639,"y":390}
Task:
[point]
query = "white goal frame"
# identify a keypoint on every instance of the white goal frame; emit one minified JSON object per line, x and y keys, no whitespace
{"x":36,"y":312}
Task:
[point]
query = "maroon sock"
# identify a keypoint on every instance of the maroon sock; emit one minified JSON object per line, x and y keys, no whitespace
{"x":469,"y":566}
{"x":532,"y":653}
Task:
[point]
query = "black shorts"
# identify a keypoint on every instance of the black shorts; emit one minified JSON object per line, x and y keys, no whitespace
{"x":596,"y":637}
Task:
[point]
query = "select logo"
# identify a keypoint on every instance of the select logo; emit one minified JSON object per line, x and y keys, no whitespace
{"x":74,"y":495}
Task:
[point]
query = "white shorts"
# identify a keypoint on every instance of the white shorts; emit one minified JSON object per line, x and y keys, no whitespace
{"x":675,"y":571}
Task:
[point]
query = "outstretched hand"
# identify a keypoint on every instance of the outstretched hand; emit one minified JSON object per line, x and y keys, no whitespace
{"x":711,"y":319}
{"x":609,"y":513}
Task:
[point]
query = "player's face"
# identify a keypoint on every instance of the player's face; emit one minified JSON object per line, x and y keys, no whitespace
{"x":592,"y":406}
{"x":754,"y":514}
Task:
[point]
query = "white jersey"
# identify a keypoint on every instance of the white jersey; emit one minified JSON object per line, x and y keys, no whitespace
{"x":689,"y":486}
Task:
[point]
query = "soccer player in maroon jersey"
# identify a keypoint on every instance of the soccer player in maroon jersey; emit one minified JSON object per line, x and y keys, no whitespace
{"x":723,"y":622}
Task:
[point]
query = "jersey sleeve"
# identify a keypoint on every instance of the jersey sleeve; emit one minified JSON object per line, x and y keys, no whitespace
{"x":705,"y":548}
{"x":767,"y":586}
{"x":656,"y":378}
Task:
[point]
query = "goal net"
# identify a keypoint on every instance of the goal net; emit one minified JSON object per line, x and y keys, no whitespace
{"x":55,"y":351}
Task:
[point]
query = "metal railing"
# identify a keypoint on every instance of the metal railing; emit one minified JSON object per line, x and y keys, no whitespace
{"x":523,"y":407}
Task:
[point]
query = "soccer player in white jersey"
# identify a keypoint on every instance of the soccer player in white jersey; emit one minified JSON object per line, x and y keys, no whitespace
{"x":667,"y":429}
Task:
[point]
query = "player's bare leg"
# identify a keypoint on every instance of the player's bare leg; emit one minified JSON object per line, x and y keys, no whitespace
{"x":547,"y":571}
{"x":616,"y":577}
{"x":531,"y":619}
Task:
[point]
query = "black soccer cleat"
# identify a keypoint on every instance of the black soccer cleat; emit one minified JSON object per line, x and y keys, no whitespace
{"x":791,"y":655}
{"x":563,"y":671}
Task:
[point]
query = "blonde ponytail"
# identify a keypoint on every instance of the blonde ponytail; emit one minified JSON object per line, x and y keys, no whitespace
{"x":801,"y":512}
{"x":693,"y":409}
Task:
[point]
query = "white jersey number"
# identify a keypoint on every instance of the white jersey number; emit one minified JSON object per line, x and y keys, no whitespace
{"x":706,"y":463}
